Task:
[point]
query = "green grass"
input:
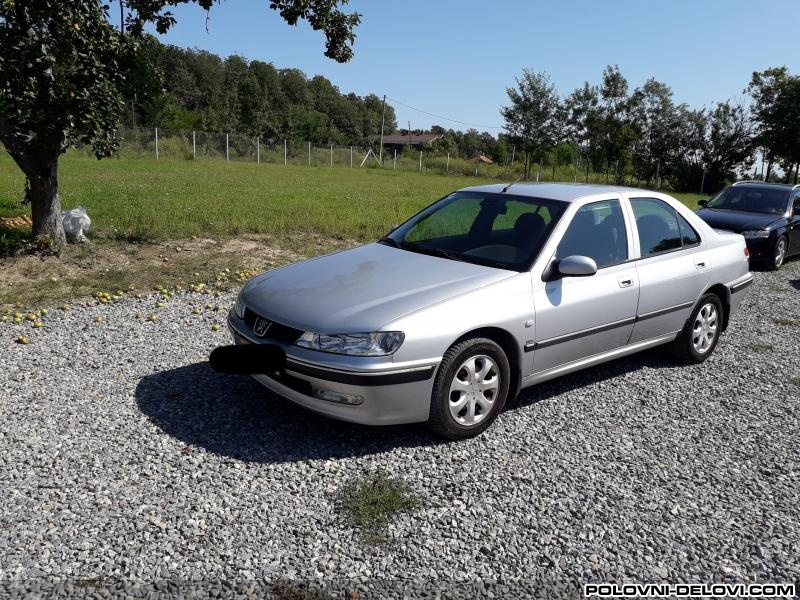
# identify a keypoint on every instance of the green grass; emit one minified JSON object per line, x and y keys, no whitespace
{"x":145,"y":199}
{"x":368,"y":504}
{"x":760,"y":347}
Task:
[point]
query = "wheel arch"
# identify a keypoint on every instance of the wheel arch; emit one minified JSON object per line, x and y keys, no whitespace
{"x":509,"y":344}
{"x":724,"y":294}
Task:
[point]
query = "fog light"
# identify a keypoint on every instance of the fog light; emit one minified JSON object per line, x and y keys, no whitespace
{"x":338,"y":397}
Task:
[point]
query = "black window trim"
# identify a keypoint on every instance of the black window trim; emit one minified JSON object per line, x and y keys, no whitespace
{"x":663,"y":252}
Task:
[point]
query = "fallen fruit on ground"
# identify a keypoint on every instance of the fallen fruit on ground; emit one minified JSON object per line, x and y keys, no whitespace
{"x":23,"y":339}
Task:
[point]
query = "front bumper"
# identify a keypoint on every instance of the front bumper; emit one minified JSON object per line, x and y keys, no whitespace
{"x":391,"y":394}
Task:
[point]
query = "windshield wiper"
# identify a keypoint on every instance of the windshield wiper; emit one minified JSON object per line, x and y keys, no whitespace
{"x":432,"y":250}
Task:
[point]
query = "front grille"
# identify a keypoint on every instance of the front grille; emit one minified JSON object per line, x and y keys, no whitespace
{"x":277,"y":332}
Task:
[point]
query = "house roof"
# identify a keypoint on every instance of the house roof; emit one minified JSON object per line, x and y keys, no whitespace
{"x":482,"y":158}
{"x":414,"y":138}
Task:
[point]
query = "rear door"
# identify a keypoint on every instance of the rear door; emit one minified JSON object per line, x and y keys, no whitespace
{"x":578,"y":317}
{"x":672,"y":265}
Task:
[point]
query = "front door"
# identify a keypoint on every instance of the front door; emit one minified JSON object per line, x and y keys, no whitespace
{"x":578,"y":317}
{"x":794,"y":225}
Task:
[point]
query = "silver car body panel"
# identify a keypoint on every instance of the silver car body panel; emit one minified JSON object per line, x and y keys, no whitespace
{"x":549,"y":327}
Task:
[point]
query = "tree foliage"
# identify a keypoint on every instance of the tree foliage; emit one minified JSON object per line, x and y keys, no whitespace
{"x":776,"y":115}
{"x":531,"y":118}
{"x":206,"y":92}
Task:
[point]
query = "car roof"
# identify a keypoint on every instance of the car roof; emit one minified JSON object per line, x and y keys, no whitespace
{"x":767,"y":185}
{"x":565,"y":192}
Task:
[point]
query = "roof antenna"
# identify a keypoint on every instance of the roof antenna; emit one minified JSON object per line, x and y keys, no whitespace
{"x":517,"y":180}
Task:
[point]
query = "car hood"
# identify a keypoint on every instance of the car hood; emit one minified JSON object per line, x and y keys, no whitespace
{"x":361,"y":289}
{"x":736,"y":220}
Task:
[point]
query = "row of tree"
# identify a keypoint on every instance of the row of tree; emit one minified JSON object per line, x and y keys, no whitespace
{"x":645,"y":133}
{"x":197,"y":90}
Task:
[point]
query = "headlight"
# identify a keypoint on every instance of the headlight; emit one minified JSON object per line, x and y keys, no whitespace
{"x":756,"y":233}
{"x":377,"y":343}
{"x":238,"y":307}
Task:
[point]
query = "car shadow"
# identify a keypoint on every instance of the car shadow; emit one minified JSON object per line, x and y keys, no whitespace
{"x":656,"y":358}
{"x":234,"y":416}
{"x":795,"y":283}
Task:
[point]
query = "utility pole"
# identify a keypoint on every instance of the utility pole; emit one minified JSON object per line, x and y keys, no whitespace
{"x":121,"y":19}
{"x":383,"y":120}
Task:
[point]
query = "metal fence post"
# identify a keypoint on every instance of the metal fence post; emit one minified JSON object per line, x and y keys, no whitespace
{"x":577,"y":166}
{"x":194,"y":146}
{"x":156,"y":143}
{"x":703,"y":181}
{"x":331,"y":154}
{"x":258,"y":150}
{"x":285,"y":153}
{"x":351,"y":157}
{"x":447,"y":168}
{"x":513,"y":151}
{"x":395,"y":159}
{"x":420,"y":161}
{"x":309,"y":154}
{"x":227,"y":153}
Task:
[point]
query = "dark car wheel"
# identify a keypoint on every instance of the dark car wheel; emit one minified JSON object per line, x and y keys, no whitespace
{"x":779,"y":254}
{"x":701,"y":333}
{"x":470,"y":389}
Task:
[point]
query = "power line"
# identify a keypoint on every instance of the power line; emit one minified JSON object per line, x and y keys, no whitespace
{"x":430,"y":114}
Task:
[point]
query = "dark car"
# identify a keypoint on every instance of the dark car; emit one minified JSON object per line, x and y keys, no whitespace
{"x":766,"y":214}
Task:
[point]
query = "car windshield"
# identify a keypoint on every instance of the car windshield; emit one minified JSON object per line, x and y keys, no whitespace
{"x":493,"y":229}
{"x":751,"y":199}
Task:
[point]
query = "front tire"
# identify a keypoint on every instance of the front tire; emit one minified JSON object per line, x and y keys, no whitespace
{"x":779,"y":253}
{"x":701,"y":333}
{"x":470,"y":389}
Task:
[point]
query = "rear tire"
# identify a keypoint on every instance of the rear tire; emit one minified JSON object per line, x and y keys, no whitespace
{"x":701,"y":333}
{"x":470,"y":389}
{"x":779,"y":253}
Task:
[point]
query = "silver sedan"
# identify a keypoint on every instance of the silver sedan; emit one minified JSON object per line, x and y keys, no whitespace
{"x":487,"y":291}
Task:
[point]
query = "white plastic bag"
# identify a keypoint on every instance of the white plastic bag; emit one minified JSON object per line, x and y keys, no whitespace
{"x":76,"y":221}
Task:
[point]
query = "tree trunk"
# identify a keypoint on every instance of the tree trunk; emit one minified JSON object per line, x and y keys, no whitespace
{"x":40,"y":166}
{"x":796,"y":169}
{"x":769,"y":168}
{"x":46,"y":205}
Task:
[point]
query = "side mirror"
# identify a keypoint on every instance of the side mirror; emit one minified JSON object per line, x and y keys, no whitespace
{"x":703,"y":203}
{"x":577,"y":266}
{"x":796,"y":211}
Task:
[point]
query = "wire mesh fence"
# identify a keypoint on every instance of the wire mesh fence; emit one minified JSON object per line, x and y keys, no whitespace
{"x":174,"y":144}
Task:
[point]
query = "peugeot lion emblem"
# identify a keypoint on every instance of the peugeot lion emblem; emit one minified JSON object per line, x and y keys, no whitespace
{"x":261,"y":326}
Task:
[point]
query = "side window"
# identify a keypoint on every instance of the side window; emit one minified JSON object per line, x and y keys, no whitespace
{"x":688,"y":235}
{"x":657,"y":223}
{"x":796,"y":204}
{"x":598,"y":231}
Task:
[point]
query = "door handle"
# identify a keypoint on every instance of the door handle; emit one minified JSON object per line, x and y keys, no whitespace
{"x":700,"y":264}
{"x":625,"y":282}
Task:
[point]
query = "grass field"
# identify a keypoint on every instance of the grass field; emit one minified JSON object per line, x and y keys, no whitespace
{"x":188,"y":217}
{"x":172,"y":199}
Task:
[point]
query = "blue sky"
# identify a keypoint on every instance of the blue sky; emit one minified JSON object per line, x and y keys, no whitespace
{"x":456,"y":58}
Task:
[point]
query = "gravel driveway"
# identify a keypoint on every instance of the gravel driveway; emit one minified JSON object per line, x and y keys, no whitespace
{"x":129,"y":468}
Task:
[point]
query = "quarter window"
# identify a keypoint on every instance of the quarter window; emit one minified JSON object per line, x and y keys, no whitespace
{"x":598,"y":231}
{"x":689,"y":236}
{"x":660,"y":227}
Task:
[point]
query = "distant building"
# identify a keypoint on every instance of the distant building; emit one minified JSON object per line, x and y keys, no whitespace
{"x":415,"y":140}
